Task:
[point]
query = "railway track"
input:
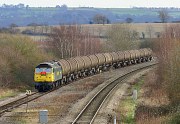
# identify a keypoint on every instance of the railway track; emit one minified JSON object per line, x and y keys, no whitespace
{"x":89,"y":112}
{"x":24,"y":100}
{"x":16,"y":103}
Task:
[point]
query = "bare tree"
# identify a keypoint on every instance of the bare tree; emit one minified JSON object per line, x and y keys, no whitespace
{"x":33,"y":26}
{"x":149,"y":31}
{"x":129,"y":20}
{"x":69,"y":41}
{"x":100,"y":19}
{"x":163,"y":16}
{"x":13,"y":28}
{"x":121,"y":37}
{"x":168,"y":52}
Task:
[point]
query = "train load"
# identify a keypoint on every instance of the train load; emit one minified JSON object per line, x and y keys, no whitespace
{"x":52,"y":74}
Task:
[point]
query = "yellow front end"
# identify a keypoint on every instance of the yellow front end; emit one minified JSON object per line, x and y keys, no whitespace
{"x":49,"y":77}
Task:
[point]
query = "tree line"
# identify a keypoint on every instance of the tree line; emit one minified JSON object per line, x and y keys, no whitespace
{"x":70,"y":41}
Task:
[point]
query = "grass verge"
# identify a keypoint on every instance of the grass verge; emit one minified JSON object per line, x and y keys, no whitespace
{"x":127,"y":107}
{"x":8,"y":93}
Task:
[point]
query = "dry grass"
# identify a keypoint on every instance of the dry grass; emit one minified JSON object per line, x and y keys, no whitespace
{"x":101,"y":30}
{"x":153,"y":93}
{"x":8,"y":93}
{"x":152,"y":120}
{"x":153,"y":102}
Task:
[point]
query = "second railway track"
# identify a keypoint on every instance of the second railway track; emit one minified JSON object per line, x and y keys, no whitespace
{"x":96,"y":100}
{"x":16,"y":103}
{"x":89,"y":112}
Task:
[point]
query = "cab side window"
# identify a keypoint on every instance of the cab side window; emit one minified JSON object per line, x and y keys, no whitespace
{"x":60,"y":68}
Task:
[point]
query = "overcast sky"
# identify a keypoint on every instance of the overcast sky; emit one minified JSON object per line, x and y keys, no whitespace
{"x":96,"y":3}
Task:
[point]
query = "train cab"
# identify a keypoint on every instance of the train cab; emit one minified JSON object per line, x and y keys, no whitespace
{"x":46,"y":74}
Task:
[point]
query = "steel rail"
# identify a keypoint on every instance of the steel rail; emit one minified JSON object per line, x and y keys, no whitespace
{"x":89,"y":112}
{"x":16,"y":103}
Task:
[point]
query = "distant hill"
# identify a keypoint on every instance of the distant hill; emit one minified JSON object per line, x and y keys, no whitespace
{"x":22,"y":16}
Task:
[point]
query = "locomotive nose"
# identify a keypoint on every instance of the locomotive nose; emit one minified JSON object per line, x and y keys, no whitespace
{"x":43,"y":73}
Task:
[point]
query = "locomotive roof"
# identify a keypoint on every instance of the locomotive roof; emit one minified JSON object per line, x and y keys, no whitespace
{"x":48,"y":65}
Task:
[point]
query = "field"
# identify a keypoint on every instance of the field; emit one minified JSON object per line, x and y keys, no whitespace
{"x":151,"y":30}
{"x":147,"y":28}
{"x":80,"y":15}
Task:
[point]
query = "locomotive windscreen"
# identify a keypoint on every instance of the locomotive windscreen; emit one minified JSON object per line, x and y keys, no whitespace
{"x":43,"y":66}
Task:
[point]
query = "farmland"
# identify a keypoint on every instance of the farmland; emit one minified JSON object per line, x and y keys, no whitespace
{"x":80,"y":15}
{"x":151,"y":30}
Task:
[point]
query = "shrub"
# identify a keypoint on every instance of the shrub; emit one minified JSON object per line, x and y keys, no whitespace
{"x":121,"y":37}
{"x":168,"y":52}
{"x":19,"y":56}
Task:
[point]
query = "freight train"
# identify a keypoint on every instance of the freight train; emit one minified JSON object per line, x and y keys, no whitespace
{"x":52,"y":74}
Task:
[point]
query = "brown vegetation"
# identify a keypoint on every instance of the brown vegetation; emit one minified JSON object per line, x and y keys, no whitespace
{"x":163,"y":15}
{"x":100,"y":19}
{"x":168,"y":52}
{"x":69,"y":41}
{"x":161,"y":93}
{"x":153,"y":101}
{"x":121,"y":37}
{"x":18,"y":57}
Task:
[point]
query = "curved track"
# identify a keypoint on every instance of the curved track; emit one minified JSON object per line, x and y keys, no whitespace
{"x":16,"y":103}
{"x":89,"y":112}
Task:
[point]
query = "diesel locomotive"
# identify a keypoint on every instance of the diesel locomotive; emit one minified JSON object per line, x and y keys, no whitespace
{"x":52,"y":74}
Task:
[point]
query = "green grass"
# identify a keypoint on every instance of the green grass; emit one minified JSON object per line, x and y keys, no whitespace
{"x":8,"y":93}
{"x":175,"y":119}
{"x":127,"y":108}
{"x":139,"y":84}
{"x":128,"y":105}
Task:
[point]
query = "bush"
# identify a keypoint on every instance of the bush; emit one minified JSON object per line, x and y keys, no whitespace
{"x":168,"y":52}
{"x":121,"y":37}
{"x":174,"y":120}
{"x":147,"y":43}
{"x":19,"y":56}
